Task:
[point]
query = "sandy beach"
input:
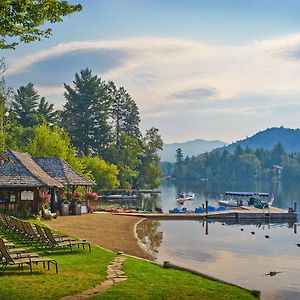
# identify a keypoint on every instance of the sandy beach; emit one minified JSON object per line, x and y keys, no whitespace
{"x":112,"y":232}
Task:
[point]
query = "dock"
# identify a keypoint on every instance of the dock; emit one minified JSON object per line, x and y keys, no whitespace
{"x":242,"y":213}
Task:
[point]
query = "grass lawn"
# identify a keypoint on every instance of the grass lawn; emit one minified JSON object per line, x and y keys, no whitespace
{"x":80,"y":270}
{"x":149,"y":281}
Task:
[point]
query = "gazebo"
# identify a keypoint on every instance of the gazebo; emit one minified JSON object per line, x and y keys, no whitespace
{"x":22,"y":181}
{"x":61,"y":171}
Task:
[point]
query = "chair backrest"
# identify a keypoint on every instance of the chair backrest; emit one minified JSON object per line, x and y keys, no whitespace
{"x":29,"y":230}
{"x":49,"y":235}
{"x":41,"y":232}
{"x":4,"y":252}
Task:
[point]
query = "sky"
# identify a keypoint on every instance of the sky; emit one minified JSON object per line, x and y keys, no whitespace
{"x":207,"y":69}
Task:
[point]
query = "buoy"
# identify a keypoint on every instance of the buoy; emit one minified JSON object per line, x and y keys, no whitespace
{"x":267,"y":237}
{"x":252,"y":232}
{"x":298,"y":245}
{"x":242,"y":229}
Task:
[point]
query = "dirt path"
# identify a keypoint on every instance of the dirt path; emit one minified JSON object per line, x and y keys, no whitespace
{"x":109,"y":231}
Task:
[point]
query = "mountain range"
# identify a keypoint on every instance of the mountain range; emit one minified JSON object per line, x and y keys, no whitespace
{"x":189,"y":148}
{"x":266,"y":139}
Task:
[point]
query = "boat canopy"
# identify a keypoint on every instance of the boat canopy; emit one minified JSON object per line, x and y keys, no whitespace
{"x":247,"y":194}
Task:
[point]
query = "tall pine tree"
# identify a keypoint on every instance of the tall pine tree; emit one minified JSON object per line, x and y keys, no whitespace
{"x":24,"y":105}
{"x":86,"y":113}
{"x":46,"y":112}
{"x":124,"y":114}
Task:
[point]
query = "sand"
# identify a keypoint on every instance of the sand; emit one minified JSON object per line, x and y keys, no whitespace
{"x":112,"y":232}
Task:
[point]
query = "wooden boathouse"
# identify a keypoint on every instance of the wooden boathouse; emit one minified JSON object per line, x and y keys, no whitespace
{"x":23,"y":179}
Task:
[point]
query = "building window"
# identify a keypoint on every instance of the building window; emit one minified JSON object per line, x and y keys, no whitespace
{"x":27,"y":195}
{"x":4,"y":196}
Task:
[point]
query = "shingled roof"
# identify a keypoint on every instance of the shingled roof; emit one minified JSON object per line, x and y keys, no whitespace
{"x":62,"y":171}
{"x":20,"y":170}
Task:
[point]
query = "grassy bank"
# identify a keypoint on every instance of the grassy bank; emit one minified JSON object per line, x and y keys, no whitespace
{"x":149,"y":281}
{"x":80,"y":270}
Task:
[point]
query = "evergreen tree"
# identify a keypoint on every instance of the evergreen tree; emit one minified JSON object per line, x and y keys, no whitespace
{"x":278,"y":154}
{"x":179,"y":164}
{"x":150,"y":172}
{"x":117,"y":108}
{"x":2,"y":103}
{"x":25,"y":104}
{"x":131,"y":116}
{"x":124,"y":113}
{"x":46,"y":112}
{"x":86,"y":113}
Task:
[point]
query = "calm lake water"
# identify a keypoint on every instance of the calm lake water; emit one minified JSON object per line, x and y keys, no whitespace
{"x":243,"y":254}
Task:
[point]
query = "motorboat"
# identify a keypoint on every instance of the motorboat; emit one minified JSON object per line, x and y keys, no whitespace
{"x":185,"y":197}
{"x":254,"y":200}
{"x":122,"y":197}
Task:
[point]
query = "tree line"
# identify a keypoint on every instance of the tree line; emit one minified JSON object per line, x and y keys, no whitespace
{"x":97,"y":131}
{"x":242,"y":164}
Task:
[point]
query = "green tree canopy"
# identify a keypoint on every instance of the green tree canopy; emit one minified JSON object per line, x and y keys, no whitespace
{"x":47,"y":141}
{"x":20,"y":21}
{"x":46,"y":112}
{"x":150,"y":172}
{"x":124,"y":113}
{"x":105,"y":174}
{"x":86,"y":113}
{"x":25,"y":104}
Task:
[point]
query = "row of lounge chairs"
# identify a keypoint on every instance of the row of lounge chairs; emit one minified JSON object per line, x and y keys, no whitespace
{"x":35,"y":235}
{"x":10,"y":255}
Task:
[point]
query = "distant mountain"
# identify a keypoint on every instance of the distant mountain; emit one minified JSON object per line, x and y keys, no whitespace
{"x":190,"y":148}
{"x":267,"y":139}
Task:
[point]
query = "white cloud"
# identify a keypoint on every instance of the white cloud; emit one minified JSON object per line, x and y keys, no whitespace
{"x":157,"y":70}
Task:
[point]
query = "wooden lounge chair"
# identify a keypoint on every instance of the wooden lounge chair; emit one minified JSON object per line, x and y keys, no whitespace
{"x":53,"y":242}
{"x":9,"y":259}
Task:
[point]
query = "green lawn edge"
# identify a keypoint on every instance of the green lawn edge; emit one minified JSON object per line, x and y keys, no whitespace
{"x":149,"y":281}
{"x":80,"y":270}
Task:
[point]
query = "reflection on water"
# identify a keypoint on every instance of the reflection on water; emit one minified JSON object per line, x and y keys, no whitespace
{"x":149,"y":236}
{"x":262,"y":256}
{"x":258,"y":256}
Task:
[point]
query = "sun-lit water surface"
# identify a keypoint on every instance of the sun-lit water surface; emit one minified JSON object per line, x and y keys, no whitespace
{"x":238,"y":253}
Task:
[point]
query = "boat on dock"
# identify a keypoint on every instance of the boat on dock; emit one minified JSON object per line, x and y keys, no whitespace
{"x":239,"y":199}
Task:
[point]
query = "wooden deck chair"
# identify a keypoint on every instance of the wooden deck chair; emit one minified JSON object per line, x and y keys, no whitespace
{"x":59,"y":238}
{"x":9,"y":259}
{"x":17,"y":252}
{"x":66,"y":243}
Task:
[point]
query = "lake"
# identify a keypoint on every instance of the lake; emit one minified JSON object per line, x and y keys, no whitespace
{"x":243,"y":254}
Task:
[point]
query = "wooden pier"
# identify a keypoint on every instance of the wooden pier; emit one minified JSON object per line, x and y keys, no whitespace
{"x":243,"y":213}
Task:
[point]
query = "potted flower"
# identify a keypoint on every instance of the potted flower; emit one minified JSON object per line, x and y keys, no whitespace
{"x":44,"y":200}
{"x":90,"y":198}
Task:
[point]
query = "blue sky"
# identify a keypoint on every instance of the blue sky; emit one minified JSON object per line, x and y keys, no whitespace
{"x":211,"y":69}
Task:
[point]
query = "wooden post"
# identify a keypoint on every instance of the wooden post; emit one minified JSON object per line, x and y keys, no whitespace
{"x":295,"y":206}
{"x":166,"y":263}
{"x":295,"y":228}
{"x":206,"y":206}
{"x":206,"y":228}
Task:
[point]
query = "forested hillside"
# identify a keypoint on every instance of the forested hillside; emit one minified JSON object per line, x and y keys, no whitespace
{"x":267,"y":139}
{"x":235,"y":162}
